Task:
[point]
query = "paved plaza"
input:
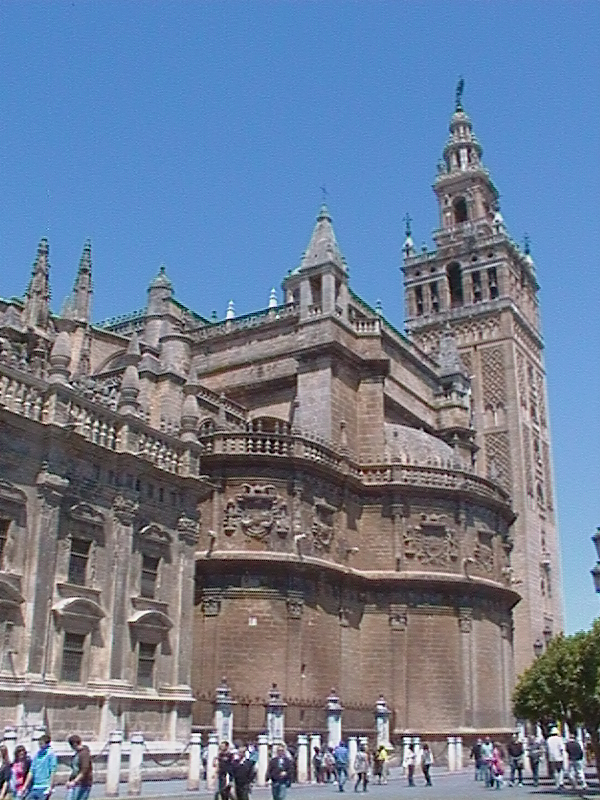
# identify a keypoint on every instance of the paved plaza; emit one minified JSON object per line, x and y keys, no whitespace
{"x":446,"y":786}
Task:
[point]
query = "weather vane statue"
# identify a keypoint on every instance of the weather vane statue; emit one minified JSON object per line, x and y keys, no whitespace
{"x":460,"y":87}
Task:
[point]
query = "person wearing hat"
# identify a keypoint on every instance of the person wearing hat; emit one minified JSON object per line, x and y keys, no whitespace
{"x":556,"y":755}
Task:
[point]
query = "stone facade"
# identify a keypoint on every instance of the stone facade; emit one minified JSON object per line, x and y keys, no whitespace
{"x":300,"y":496}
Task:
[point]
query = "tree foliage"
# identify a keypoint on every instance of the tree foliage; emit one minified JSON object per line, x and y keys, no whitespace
{"x":564,"y":684}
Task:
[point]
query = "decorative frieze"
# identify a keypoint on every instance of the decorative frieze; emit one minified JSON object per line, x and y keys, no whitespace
{"x":431,"y":542}
{"x":188,"y":530}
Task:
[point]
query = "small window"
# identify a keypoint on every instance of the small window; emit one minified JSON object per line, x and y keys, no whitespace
{"x":80,"y":551}
{"x":435,"y":300}
{"x":4,"y":523}
{"x":476,"y":277}
{"x":460,"y":210}
{"x":149,"y":575}
{"x":455,"y":284}
{"x":493,"y":282}
{"x":146,"y":661}
{"x":72,"y":660}
{"x":419,"y":299}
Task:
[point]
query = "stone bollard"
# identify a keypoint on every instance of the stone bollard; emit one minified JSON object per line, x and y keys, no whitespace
{"x":352,"y":750}
{"x":417,"y":746}
{"x":10,"y":740}
{"x":315,"y":741}
{"x":113,"y":763}
{"x":263,"y":759}
{"x":459,"y":752}
{"x":211,"y":767}
{"x":406,"y":740}
{"x":302,"y":759}
{"x":451,"y":754}
{"x":136,"y":759}
{"x":195,"y":762}
{"x":334,"y":720}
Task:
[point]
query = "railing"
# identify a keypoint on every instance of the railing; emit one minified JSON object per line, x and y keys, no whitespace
{"x":245,"y":321}
{"x":21,"y":395}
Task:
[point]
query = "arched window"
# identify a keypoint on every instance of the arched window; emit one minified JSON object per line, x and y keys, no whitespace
{"x":455,"y":284}
{"x":460,"y":209}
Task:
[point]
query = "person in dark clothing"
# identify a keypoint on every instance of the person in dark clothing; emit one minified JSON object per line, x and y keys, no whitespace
{"x":515,"y":758}
{"x":279,"y":772}
{"x":242,"y":771}
{"x":534,"y":747}
{"x":80,"y":780}
{"x":476,"y":756}
{"x":223,"y":764}
{"x":5,"y":770}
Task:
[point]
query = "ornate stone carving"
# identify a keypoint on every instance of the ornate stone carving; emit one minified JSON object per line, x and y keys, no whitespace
{"x":124,"y":509}
{"x":11,"y":494}
{"x":431,"y":542}
{"x":295,"y":606}
{"x":322,"y":528}
{"x":465,"y":620}
{"x":211,"y":605}
{"x":257,"y":511}
{"x":155,"y":535}
{"x":344,"y":617}
{"x":483,"y":552}
{"x":87,"y":514}
{"x":104,"y":391}
{"x":188,"y":530}
{"x":398,"y":619}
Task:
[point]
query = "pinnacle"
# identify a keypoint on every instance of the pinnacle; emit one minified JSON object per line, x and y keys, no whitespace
{"x":323,"y":247}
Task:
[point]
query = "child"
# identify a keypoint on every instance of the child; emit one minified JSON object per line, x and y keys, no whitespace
{"x":497,"y":767}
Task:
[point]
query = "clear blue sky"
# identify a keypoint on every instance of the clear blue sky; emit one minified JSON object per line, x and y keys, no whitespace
{"x":198,"y":135}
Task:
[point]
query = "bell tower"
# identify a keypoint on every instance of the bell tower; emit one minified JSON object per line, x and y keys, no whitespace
{"x":483,"y":286}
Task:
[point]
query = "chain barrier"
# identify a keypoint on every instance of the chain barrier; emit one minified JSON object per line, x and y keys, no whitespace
{"x":101,"y":752}
{"x":170,"y":763}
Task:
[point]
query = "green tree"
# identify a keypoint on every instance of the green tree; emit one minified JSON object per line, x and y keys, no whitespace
{"x":564,"y":684}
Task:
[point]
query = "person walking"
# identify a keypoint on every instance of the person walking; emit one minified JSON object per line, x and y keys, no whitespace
{"x":18,"y":772}
{"x":487,"y":750}
{"x":576,"y":771}
{"x":223,"y":764}
{"x":476,"y":756}
{"x":242,"y":771}
{"x":497,"y":767}
{"x":361,"y":767}
{"x":5,"y":770}
{"x":40,"y":778}
{"x":516,"y":759}
{"x":279,"y":772}
{"x":341,"y":758}
{"x":317,"y":763}
{"x":556,"y":756}
{"x":426,"y":762}
{"x":409,"y":764}
{"x":534,"y":751}
{"x":80,"y":780}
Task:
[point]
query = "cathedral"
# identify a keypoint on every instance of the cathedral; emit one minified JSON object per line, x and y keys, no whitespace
{"x":302,"y":496}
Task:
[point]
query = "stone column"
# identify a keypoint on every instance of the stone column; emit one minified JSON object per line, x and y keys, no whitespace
{"x":459,"y":753}
{"x":263,"y":759}
{"x":113,"y":763}
{"x":275,"y":708}
{"x":334,"y":720}
{"x":451,"y":753}
{"x":10,"y":740}
{"x":136,"y":759}
{"x":382,"y":720}
{"x":315,"y":741}
{"x":465,"y":625}
{"x":124,"y":511}
{"x":211,"y":767}
{"x":417,"y":745}
{"x":302,"y":759}
{"x":224,"y":713}
{"x":398,"y":646}
{"x":50,"y":492}
{"x":507,"y":669}
{"x":352,"y":750}
{"x":195,"y":762}
{"x":406,"y":741}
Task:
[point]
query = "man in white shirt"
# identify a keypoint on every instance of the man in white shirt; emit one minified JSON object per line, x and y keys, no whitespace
{"x":556,"y":756}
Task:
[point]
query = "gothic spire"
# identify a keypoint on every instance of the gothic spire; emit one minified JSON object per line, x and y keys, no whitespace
{"x":78,"y":305}
{"x":323,"y":247}
{"x":36,"y":311}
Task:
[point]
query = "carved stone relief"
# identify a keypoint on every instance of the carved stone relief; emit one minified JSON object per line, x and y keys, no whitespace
{"x":484,"y":551}
{"x":431,"y":542}
{"x":257,"y":512}
{"x":323,"y":524}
